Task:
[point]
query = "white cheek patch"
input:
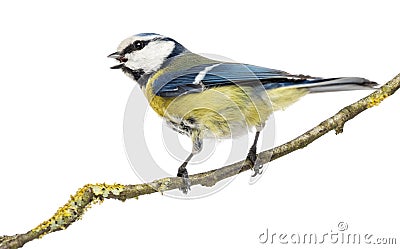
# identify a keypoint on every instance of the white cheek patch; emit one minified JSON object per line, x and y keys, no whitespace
{"x":151,"y":57}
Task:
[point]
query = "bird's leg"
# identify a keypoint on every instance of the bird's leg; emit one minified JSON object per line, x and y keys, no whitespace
{"x":252,"y":156}
{"x":182,"y":171}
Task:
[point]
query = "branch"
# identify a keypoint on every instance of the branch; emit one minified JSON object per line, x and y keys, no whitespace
{"x":96,"y":193}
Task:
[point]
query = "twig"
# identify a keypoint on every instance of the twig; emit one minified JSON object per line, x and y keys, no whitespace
{"x":95,"y":193}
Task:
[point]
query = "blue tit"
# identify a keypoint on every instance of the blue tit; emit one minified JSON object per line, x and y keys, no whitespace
{"x":203,"y":98}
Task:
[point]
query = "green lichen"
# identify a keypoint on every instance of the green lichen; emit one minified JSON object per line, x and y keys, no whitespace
{"x":77,"y":205}
{"x":164,"y":183}
{"x":104,"y":190}
{"x":376,"y":100}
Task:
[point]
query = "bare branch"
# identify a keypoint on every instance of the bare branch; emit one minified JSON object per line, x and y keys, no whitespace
{"x":96,"y":193}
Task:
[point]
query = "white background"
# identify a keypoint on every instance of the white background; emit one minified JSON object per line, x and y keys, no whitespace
{"x":61,"y":113}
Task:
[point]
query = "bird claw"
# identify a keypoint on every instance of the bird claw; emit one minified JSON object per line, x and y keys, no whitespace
{"x":185,"y":188}
{"x":257,"y":170}
{"x":256,"y":167}
{"x":182,"y":172}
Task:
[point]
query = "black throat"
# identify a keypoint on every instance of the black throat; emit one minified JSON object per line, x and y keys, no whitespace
{"x":136,"y":74}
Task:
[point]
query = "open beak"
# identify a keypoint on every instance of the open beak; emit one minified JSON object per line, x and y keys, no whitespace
{"x":119,"y":57}
{"x":115,"y":55}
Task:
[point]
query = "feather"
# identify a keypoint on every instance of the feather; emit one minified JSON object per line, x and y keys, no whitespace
{"x":217,"y":74}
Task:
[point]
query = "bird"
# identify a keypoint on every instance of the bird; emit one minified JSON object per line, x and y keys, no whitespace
{"x":203,"y":98}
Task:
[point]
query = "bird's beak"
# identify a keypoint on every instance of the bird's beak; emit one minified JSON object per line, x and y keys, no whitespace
{"x":119,"y":57}
{"x":115,"y":55}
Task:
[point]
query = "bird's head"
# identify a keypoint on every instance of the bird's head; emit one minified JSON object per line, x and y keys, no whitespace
{"x":145,"y":53}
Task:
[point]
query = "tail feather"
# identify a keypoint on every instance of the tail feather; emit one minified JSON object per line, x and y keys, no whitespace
{"x":336,"y":84}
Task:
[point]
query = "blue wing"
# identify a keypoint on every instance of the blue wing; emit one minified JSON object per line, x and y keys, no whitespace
{"x":205,"y":76}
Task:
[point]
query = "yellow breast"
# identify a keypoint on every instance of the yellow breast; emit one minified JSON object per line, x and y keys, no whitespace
{"x":159,"y":104}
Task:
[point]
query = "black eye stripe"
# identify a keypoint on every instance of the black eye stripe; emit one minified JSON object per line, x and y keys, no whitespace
{"x":135,"y":46}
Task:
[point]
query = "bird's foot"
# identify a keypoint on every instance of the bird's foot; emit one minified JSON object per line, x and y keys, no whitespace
{"x":182,"y":172}
{"x":257,"y":169}
{"x":256,"y":165}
